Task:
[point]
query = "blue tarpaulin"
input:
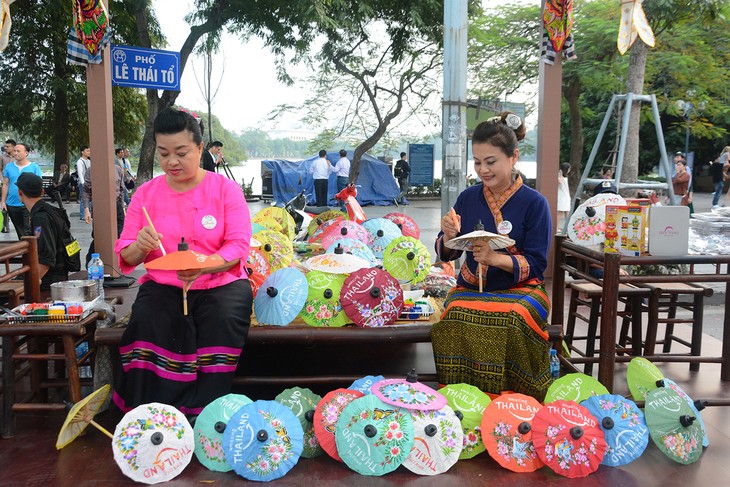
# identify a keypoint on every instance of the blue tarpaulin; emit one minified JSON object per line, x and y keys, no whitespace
{"x":375,"y":184}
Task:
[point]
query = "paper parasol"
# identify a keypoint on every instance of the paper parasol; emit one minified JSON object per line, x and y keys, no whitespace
{"x":183,"y":259}
{"x":696,"y":406}
{"x":209,"y":428}
{"x":407,"y":225}
{"x":382,"y":231}
{"x":354,"y":247}
{"x":276,"y":247}
{"x":567,"y":439}
{"x":322,"y":307}
{"x":326,"y":415}
{"x":437,"y":441}
{"x":325,"y":216}
{"x":344,"y":229}
{"x":371,"y":297}
{"x":507,"y":432}
{"x":624,"y":428}
{"x":316,"y":236}
{"x":372,"y":437}
{"x":281,"y":297}
{"x":81,"y":415}
{"x":466,"y":241}
{"x":407,"y":259}
{"x":153,"y":443}
{"x":409,"y":393}
{"x":673,"y":426}
{"x":277,"y":219}
{"x":469,"y":403}
{"x":263,"y":441}
{"x":586,"y":225}
{"x":303,"y":402}
{"x":337,"y":263}
{"x":574,"y":387}
{"x":365,"y":384}
{"x":642,"y":377}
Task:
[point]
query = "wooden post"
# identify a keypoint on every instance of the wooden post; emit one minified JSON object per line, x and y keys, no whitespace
{"x":101,"y":141}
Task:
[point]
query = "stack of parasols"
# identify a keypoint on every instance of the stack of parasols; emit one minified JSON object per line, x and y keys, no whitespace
{"x":377,"y":425}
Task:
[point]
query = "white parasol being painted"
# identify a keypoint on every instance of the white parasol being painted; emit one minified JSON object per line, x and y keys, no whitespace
{"x":586,"y":226}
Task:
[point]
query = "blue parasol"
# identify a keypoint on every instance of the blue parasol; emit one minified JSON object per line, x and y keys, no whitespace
{"x":263,"y":441}
{"x":382,"y":231}
{"x":281,"y":297}
{"x":364,"y":384}
{"x":624,"y":428}
{"x":355,"y":247}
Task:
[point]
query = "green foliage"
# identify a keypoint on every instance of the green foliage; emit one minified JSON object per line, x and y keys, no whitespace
{"x":42,"y":99}
{"x":234,"y":152}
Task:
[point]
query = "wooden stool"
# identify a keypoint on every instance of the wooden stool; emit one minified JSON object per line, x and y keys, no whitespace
{"x":12,"y":290}
{"x":41,"y":349}
{"x":666,"y":298}
{"x":588,"y":294}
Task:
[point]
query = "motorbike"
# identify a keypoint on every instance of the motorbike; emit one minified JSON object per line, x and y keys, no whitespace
{"x":302,"y":213}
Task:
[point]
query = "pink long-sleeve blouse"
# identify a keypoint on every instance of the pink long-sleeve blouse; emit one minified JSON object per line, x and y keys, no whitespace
{"x":213,"y":218}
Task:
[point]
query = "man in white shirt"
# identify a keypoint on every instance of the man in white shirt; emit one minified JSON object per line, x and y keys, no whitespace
{"x":321,"y":169}
{"x":342,"y":170}
{"x":82,"y":165}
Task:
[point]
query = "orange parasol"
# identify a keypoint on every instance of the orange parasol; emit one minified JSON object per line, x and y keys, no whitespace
{"x":81,"y":415}
{"x":182,"y":260}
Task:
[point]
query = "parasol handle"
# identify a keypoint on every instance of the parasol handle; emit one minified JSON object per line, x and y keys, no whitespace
{"x":101,"y":428}
{"x":479,"y":271}
{"x":186,"y":286}
{"x":149,"y":220}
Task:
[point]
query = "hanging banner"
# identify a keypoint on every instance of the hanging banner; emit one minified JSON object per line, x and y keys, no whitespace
{"x":139,"y":67}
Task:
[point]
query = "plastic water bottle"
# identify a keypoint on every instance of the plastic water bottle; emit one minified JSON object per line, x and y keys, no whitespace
{"x":96,"y":273}
{"x":554,"y":364}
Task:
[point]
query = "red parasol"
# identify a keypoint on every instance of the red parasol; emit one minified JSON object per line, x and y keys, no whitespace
{"x":327,"y":413}
{"x":568,"y":438}
{"x":183,"y":259}
{"x":407,"y":225}
{"x":371,"y":297}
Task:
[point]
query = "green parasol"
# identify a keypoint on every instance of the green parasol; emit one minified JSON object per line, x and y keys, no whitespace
{"x":574,"y":387}
{"x":407,"y":259}
{"x":673,"y":425}
{"x":470,"y":403}
{"x":322,"y":307}
{"x":303,"y":402}
{"x":642,"y":376}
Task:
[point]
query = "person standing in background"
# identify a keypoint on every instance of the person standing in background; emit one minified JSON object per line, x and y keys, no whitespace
{"x":716,"y":173}
{"x":563,"y":195}
{"x":401,"y":172}
{"x":680,"y":182}
{"x":17,"y":211}
{"x":321,"y":169}
{"x":129,"y":180}
{"x":212,"y":157}
{"x":82,"y":165}
{"x":7,"y":156}
{"x":342,"y":170}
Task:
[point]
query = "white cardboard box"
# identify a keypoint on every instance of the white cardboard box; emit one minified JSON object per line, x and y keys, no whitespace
{"x":669,"y":230}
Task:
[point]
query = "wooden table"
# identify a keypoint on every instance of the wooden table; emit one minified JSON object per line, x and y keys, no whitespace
{"x":611,"y":263}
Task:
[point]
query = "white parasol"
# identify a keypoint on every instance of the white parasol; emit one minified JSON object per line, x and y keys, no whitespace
{"x":586,"y":225}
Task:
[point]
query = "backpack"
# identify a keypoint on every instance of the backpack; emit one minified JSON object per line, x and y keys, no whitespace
{"x":399,"y":170}
{"x":68,"y":246}
{"x":73,"y":180}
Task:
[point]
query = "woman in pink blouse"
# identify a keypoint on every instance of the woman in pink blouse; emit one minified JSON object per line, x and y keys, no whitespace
{"x":184,"y":360}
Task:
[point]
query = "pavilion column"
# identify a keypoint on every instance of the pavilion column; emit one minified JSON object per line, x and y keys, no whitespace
{"x":548,"y":136}
{"x":101,"y":141}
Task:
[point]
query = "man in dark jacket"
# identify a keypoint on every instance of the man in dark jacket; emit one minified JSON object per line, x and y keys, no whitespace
{"x":212,"y":157}
{"x":46,"y":224}
{"x":401,"y":172}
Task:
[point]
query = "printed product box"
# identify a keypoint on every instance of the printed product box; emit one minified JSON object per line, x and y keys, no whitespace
{"x":626,"y":228}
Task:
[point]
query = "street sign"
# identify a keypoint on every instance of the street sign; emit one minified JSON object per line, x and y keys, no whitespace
{"x":138,"y":67}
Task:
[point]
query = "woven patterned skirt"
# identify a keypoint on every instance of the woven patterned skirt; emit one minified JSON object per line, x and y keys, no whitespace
{"x":496,"y":341}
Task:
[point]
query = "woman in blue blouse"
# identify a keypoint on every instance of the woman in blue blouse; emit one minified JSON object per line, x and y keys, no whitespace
{"x":497,"y":339}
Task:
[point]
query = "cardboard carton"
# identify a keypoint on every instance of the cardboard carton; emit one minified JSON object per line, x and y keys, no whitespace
{"x":626,"y":228}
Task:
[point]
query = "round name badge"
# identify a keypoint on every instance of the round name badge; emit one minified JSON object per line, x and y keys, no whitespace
{"x":209,"y":222}
{"x":504,"y":227}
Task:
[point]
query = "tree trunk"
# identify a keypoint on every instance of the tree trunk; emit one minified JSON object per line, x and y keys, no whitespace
{"x":577,"y":140}
{"x":157,"y":103}
{"x":635,"y":85}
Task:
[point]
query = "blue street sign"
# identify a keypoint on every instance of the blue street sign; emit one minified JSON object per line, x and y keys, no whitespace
{"x":138,"y":67}
{"x":420,"y":157}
